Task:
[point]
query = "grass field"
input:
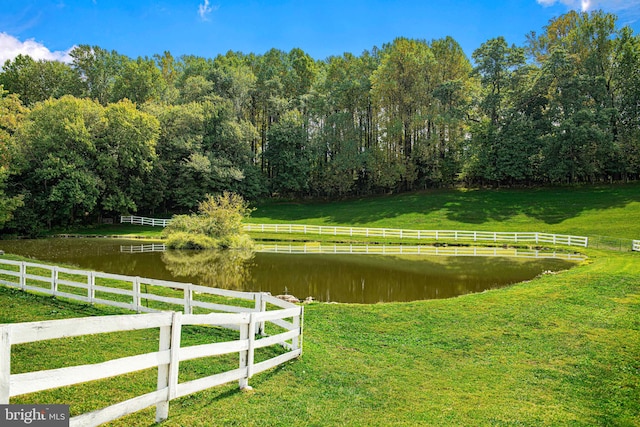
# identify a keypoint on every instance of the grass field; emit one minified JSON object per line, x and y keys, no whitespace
{"x":587,"y":211}
{"x":560,"y":350}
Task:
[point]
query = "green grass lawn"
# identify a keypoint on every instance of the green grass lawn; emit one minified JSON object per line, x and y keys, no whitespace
{"x":560,"y":350}
{"x":586,"y":211}
{"x":126,"y":231}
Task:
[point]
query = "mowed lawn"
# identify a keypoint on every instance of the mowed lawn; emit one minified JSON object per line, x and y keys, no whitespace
{"x":611,"y":210}
{"x":560,"y":350}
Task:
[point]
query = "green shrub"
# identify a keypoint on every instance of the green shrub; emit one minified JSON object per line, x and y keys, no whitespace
{"x":218,"y":224}
{"x":182,"y":240}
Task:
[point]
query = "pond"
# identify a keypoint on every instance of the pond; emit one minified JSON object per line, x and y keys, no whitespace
{"x":328,"y":278}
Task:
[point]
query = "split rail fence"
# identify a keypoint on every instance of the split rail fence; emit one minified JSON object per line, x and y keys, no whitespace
{"x":455,"y":235}
{"x":250,"y":316}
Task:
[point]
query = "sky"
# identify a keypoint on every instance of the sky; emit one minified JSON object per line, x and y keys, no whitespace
{"x":49,"y":29}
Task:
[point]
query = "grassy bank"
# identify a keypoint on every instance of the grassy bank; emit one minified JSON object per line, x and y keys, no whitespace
{"x":559,"y":350}
{"x":586,"y":211}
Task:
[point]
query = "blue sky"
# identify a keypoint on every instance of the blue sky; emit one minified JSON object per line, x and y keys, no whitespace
{"x":50,"y":28}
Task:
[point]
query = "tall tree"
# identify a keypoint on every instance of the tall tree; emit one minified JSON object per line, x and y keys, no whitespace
{"x":402,"y":86}
{"x":183,"y":179}
{"x":500,"y":70}
{"x":36,"y":81}
{"x":125,"y":157}
{"x":439,"y":143}
{"x":288,"y":156}
{"x":496,"y":65}
{"x":627,"y":93}
{"x":139,"y":81}
{"x":98,"y":69}
{"x":57,"y":162}
{"x":12,"y":114}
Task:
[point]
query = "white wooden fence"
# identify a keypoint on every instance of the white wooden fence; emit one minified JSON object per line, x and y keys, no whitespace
{"x":155,"y":247}
{"x":249,"y":321}
{"x":140,"y":220}
{"x":636,"y":245}
{"x":413,"y":250}
{"x":385,"y":250}
{"x":455,"y":235}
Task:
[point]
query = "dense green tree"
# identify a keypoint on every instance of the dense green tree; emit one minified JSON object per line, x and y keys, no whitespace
{"x":500,"y":70}
{"x":227,"y":143}
{"x":627,"y":96}
{"x":99,"y":70}
{"x":403,"y":87}
{"x":203,"y":148}
{"x":269,"y":100}
{"x":579,"y":141}
{"x":288,"y":156}
{"x":139,"y":81}
{"x":12,"y":114}
{"x":577,"y":56}
{"x":437,"y":155}
{"x":234,"y":80}
{"x":36,"y":81}
{"x":496,"y":64}
{"x":125,"y":157}
{"x":57,"y":161}
{"x":342,"y":124}
{"x":182,"y":177}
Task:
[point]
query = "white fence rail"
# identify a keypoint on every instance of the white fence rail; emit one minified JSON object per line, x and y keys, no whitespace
{"x":636,"y":245}
{"x":140,"y":220}
{"x":385,"y":250}
{"x":475,"y":236}
{"x":414,"y":250}
{"x":249,"y":320}
{"x":156,"y":247}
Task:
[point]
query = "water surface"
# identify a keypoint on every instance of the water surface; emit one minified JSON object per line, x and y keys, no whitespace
{"x":328,"y":278}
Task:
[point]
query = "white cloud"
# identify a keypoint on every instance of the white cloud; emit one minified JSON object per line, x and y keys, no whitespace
{"x":10,"y":47}
{"x":205,"y":9}
{"x":627,"y":11}
{"x":615,"y":6}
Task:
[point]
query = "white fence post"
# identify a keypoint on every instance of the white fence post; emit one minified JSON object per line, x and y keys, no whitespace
{"x":162,"y":408}
{"x":54,"y":281}
{"x":295,"y":342}
{"x":250,"y":352}
{"x":261,"y":306}
{"x":137,"y":300}
{"x":23,"y":275}
{"x":174,"y":361}
{"x":244,"y":335}
{"x":91,"y":287}
{"x":5,"y":364}
{"x":188,"y":297}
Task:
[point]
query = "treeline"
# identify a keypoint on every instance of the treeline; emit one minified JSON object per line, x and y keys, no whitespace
{"x":107,"y":134}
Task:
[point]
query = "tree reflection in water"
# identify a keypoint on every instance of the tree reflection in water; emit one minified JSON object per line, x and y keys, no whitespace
{"x":225,"y":269}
